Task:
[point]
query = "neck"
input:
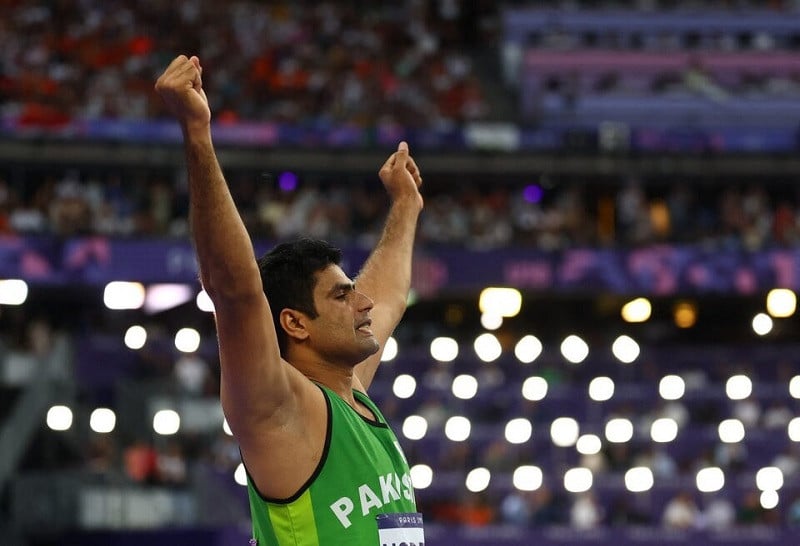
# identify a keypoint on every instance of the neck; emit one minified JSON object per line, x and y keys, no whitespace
{"x":337,"y":377}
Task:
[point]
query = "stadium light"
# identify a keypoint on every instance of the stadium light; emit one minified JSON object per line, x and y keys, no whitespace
{"x":534,"y":388}
{"x":637,"y":310}
{"x":59,"y":418}
{"x":404,"y":386}
{"x":421,"y":476}
{"x":710,"y":479}
{"x":389,"y":350}
{"x":478,"y":479}
{"x":465,"y":386}
{"x":528,"y":349}
{"x":578,"y":480}
{"x":601,"y":389}
{"x":457,"y":428}
{"x":488,"y":347}
{"x":527,"y":478}
{"x":574,"y":349}
{"x":415,"y":427}
{"x":781,"y":302}
{"x":444,"y":349}
{"x":102,"y":420}
{"x":564,"y":431}
{"x":166,"y":422}
{"x":518,"y":430}
{"x":13,"y":291}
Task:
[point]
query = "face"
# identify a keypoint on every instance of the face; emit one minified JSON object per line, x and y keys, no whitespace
{"x":341,"y":332}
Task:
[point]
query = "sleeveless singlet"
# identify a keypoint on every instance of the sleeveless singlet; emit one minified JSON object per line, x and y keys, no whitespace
{"x":359,"y":495}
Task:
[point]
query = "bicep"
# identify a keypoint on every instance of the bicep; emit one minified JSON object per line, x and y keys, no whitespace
{"x":255,"y":381}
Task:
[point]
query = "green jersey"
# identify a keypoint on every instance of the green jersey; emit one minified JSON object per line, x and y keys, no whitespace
{"x":361,"y":480}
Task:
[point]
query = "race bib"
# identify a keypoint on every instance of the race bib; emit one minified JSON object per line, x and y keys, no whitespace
{"x":400,"y":529}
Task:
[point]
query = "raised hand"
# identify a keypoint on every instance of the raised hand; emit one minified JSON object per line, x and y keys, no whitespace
{"x":181,"y":88}
{"x":400,"y":175}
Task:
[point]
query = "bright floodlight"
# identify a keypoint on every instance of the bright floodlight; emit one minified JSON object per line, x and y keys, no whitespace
{"x":488,"y":347}
{"x":637,"y":310}
{"x":478,"y":479}
{"x":505,"y":302}
{"x":619,"y":430}
{"x":625,"y":349}
{"x":13,"y":291}
{"x":389,"y":350}
{"x":663,"y":430}
{"x":518,"y":431}
{"x":102,"y":420}
{"x":578,"y":480}
{"x":187,"y":340}
{"x":671,"y":387}
{"x":769,"y":499}
{"x":59,"y":418}
{"x":574,"y":349}
{"x":204,"y":302}
{"x":710,"y":479}
{"x":762,"y":324}
{"x":589,"y":444}
{"x":738,"y":387}
{"x":457,"y":428}
{"x":135,"y":337}
{"x":161,"y":297}
{"x":527,"y":478}
{"x":465,"y":386}
{"x":639,"y":479}
{"x":240,"y":475}
{"x":421,"y":476}
{"x":491,"y":321}
{"x":166,"y":422}
{"x":781,"y":302}
{"x":794,"y":429}
{"x":794,"y":387}
{"x":731,"y":431}
{"x":684,"y":314}
{"x":444,"y":349}
{"x":415,"y":427}
{"x":769,"y":478}
{"x":124,"y":295}
{"x":528,"y":349}
{"x":534,"y":388}
{"x":404,"y":386}
{"x":564,"y":431}
{"x":601,"y":389}
{"x":226,"y":428}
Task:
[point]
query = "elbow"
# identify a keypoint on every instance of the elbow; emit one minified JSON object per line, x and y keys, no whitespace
{"x":231,"y":286}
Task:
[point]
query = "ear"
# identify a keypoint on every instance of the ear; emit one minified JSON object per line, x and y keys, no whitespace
{"x":294,"y":324}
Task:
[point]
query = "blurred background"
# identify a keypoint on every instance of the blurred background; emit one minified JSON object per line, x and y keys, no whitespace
{"x":601,"y":344}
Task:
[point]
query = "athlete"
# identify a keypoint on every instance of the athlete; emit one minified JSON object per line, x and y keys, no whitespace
{"x":299,"y":344}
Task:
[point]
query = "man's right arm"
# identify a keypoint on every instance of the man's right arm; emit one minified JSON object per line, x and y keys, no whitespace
{"x":257,"y":388}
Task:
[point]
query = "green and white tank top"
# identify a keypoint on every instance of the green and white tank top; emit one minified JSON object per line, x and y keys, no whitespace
{"x":359,"y":495}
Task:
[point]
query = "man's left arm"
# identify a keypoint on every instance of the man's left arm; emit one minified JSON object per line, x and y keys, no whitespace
{"x":386,"y":275}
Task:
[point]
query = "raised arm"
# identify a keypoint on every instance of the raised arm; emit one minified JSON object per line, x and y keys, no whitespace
{"x":255,"y":382}
{"x":386,"y":275}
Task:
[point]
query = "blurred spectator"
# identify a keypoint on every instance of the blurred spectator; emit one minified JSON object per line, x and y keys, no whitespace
{"x":586,"y":512}
{"x":681,"y":512}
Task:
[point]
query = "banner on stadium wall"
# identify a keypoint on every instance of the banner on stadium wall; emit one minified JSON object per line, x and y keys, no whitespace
{"x":656,"y":270}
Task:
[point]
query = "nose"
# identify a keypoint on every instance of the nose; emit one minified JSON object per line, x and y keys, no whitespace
{"x":364,"y":302}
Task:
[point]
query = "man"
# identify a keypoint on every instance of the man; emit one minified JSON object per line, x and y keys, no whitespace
{"x":299,"y":345}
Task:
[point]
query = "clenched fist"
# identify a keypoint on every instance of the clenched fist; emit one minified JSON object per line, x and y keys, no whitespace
{"x":181,"y":88}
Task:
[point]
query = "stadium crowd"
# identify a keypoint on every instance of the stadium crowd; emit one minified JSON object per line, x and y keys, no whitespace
{"x":552,"y":213}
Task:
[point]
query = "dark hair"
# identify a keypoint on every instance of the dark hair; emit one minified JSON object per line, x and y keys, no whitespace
{"x":288,"y":277}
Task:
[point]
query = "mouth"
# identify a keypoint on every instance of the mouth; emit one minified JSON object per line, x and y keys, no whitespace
{"x":364,"y":327}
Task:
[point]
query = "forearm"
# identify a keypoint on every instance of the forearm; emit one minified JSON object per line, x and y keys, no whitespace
{"x":386,"y":275}
{"x":223,"y":246}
